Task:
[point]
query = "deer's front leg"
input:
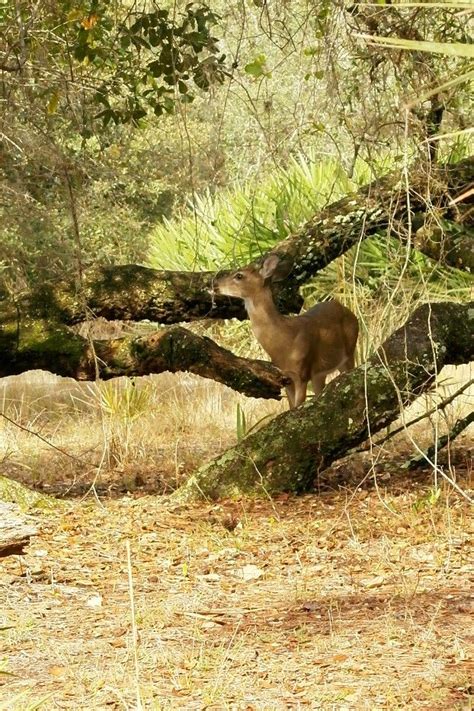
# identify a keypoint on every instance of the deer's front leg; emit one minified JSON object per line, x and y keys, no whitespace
{"x":290,"y":394}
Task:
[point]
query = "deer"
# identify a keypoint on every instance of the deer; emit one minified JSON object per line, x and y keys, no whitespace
{"x":306,"y":347}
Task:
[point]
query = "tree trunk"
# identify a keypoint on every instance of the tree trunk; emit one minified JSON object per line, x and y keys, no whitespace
{"x":288,"y":454}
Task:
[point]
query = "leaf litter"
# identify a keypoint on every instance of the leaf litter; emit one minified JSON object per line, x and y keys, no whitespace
{"x":308,"y":602}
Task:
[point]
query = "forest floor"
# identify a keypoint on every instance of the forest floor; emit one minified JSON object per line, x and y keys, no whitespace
{"x":356,"y":598}
{"x":342,"y":600}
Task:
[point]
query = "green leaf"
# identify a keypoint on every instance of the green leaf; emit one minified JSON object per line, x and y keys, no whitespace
{"x":53,"y":103}
{"x":451,"y":49}
{"x":258,"y":67}
{"x":156,"y":68}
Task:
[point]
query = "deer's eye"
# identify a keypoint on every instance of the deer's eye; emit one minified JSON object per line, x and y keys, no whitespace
{"x":238,"y":276}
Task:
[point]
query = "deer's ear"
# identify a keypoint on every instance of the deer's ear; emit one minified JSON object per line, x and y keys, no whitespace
{"x":269,"y":266}
{"x":275,"y":268}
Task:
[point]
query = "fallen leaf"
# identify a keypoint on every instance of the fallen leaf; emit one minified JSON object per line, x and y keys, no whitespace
{"x":339,"y":657}
{"x":373,"y":582}
{"x":249,"y":572}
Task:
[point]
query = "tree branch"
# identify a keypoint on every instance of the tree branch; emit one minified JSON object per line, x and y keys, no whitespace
{"x":39,"y":344}
{"x":440,"y":406}
{"x":427,"y":456}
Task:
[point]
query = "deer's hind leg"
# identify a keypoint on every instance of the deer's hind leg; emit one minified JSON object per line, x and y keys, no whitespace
{"x":318,"y":381}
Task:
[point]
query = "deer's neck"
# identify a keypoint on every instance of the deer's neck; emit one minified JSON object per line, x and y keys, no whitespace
{"x":265,"y":319}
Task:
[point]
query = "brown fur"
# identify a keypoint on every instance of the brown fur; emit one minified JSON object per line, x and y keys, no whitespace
{"x":305,"y":347}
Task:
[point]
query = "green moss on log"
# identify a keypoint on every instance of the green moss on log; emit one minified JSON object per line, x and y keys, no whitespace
{"x":27,"y":499}
{"x":37,"y":343}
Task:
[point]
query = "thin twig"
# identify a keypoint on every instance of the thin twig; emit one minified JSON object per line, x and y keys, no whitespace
{"x":440,"y":406}
{"x":458,"y":428}
{"x":46,"y":441}
{"x":134,"y":626}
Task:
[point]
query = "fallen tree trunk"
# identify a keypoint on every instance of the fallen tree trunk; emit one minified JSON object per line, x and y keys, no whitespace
{"x":287,"y":454}
{"x":133,"y":292}
{"x":39,"y":345}
{"x":15,"y":530}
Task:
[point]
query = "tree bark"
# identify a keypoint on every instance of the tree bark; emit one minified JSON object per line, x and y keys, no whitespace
{"x":133,"y":292}
{"x":39,"y":344}
{"x":288,"y":454}
{"x":455,"y":249}
{"x":15,"y":530}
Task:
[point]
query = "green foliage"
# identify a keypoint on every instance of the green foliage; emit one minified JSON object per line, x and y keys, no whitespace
{"x":122,"y":400}
{"x":455,"y":49}
{"x":125,"y":60}
{"x":258,"y":67}
{"x":239,"y":225}
{"x":427,"y":501}
{"x":180,"y":54}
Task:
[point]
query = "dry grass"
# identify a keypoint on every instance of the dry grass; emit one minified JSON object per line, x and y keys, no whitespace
{"x":151,"y":433}
{"x":329,"y":602}
{"x":118,"y":434}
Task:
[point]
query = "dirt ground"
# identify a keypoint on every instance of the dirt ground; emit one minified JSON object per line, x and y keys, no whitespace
{"x":347,"y":600}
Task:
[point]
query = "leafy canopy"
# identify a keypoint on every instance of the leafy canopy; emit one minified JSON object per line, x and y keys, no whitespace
{"x":119,"y":61}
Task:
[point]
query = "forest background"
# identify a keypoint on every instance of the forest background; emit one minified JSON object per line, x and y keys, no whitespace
{"x":190,"y":137}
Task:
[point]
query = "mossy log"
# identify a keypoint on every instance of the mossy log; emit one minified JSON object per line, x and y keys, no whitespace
{"x":133,"y":292}
{"x":38,"y":344}
{"x":288,"y":454}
